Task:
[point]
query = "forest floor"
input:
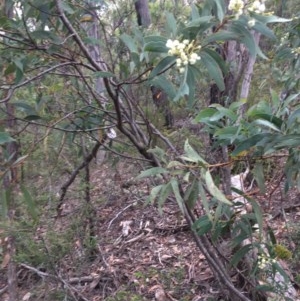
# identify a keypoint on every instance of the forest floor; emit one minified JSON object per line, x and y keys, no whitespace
{"x":141,"y":253}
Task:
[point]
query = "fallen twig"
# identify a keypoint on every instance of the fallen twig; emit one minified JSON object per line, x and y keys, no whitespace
{"x":118,"y":214}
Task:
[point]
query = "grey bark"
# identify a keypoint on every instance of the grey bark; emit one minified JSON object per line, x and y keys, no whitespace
{"x":143,"y":13}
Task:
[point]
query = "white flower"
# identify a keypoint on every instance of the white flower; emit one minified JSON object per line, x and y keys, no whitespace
{"x":178,"y":62}
{"x":169,"y":44}
{"x":236,"y":5}
{"x":262,"y":7}
{"x":251,"y":23}
{"x":181,"y":70}
{"x":186,"y":42}
{"x":257,"y":7}
{"x":194,"y":56}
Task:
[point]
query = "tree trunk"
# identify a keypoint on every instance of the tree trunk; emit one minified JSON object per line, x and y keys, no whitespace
{"x":143,"y":13}
{"x":10,"y":179}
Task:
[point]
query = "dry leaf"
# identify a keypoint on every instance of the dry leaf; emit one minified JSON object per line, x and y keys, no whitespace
{"x":26,"y":297}
{"x":5,"y":261}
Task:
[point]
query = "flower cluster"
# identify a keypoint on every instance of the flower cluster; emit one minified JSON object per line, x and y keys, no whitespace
{"x":264,"y":261}
{"x":238,"y":6}
{"x":257,"y":7}
{"x":184,"y":51}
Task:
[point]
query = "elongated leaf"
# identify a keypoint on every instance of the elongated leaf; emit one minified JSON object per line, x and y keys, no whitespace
{"x":192,"y":194}
{"x":205,"y":115}
{"x":129,"y":42}
{"x":240,"y":254}
{"x":31,"y":206}
{"x":204,"y":200}
{"x":4,"y":201}
{"x":245,"y":36}
{"x":213,"y":69}
{"x":191,"y":155}
{"x":248,"y":143}
{"x":259,"y":177}
{"x":163,"y":83}
{"x":175,"y":187}
{"x":154,"y":46}
{"x":151,"y":172}
{"x":171,"y":23}
{"x":202,"y":225}
{"x":162,"y":66}
{"x":154,"y":193}
{"x":277,"y":122}
{"x":214,"y":190}
{"x":271,"y":19}
{"x":5,"y":138}
{"x":223,"y":35}
{"x":220,"y":9}
{"x":196,"y":22}
{"x":263,"y":29}
{"x":267,"y":124}
{"x":257,"y":213}
{"x":165,"y":191}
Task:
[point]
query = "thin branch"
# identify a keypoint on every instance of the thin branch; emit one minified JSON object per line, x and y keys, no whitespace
{"x":73,"y":176}
{"x":24,"y":83}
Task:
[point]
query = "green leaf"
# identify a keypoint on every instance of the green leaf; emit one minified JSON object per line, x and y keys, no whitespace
{"x":31,"y":206}
{"x":171,"y":23}
{"x":156,"y":47}
{"x":103,"y":74}
{"x":213,"y":69}
{"x":196,"y":22}
{"x":162,"y":82}
{"x":220,"y":9}
{"x":151,"y":172}
{"x":205,"y":115}
{"x":266,"y":123}
{"x":263,"y":29}
{"x":153,"y":194}
{"x":204,"y":200}
{"x":258,"y":173}
{"x":202,"y":225}
{"x":5,"y":138}
{"x":174,"y":184}
{"x":277,"y":122}
{"x":165,"y":191}
{"x":271,"y":19}
{"x":248,"y":143}
{"x":257,"y":213}
{"x":240,"y":254}
{"x":5,"y":200}
{"x":28,"y":109}
{"x":192,"y":194}
{"x":191,"y":155}
{"x":214,"y":190}
{"x":162,"y":66}
{"x":245,"y":36}
{"x":220,"y":36}
{"x":129,"y":42}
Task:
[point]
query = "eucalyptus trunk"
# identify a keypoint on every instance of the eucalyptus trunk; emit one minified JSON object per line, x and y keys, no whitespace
{"x":143,"y":13}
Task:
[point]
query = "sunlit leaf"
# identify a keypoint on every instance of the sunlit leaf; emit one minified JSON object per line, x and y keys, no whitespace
{"x":214,"y":190}
{"x":191,"y":155}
